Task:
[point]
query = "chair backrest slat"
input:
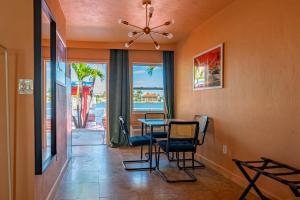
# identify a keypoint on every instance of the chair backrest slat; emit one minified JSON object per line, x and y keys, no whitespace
{"x":155,"y":115}
{"x":183,"y":130}
{"x":203,"y":125}
{"x":123,"y":126}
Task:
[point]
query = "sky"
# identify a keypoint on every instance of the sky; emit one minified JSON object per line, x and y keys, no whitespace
{"x":142,"y":79}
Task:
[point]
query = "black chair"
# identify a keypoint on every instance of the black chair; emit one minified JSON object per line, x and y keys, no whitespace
{"x":136,"y":141}
{"x":157,"y":133}
{"x":203,"y":125}
{"x":157,"y":115}
{"x":182,"y":138}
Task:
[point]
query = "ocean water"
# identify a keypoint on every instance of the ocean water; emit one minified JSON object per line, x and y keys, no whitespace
{"x":100,"y":109}
{"x":148,"y":106}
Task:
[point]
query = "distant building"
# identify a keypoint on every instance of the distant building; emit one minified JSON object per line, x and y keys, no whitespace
{"x":150,"y":97}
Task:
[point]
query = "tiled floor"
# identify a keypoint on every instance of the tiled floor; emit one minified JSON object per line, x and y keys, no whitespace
{"x":95,"y":172}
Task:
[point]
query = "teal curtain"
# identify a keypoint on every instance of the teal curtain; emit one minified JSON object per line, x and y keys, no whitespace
{"x":168,"y":72}
{"x":119,"y":95}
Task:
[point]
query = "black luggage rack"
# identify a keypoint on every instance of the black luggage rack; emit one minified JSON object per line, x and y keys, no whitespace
{"x":261,"y":166}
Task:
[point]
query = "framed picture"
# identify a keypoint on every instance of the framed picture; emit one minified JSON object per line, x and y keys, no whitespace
{"x":208,"y":69}
{"x":61,"y":61}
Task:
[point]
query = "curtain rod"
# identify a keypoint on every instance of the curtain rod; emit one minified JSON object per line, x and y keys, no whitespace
{"x":7,"y":122}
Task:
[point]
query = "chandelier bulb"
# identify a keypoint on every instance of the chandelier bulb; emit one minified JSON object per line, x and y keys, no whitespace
{"x":151,"y":10}
{"x":130,"y":34}
{"x":121,"y":21}
{"x":157,"y":46}
{"x":127,"y":44}
{"x":169,"y":35}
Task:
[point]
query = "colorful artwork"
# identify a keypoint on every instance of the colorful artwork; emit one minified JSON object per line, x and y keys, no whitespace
{"x":208,"y":69}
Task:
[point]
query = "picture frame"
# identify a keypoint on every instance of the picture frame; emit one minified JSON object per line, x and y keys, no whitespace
{"x":208,"y":69}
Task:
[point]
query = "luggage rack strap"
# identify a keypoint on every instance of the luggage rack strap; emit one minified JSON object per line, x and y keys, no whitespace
{"x":271,"y":164}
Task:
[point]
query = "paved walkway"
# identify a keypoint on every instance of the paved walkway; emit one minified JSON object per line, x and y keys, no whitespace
{"x":88,"y":137}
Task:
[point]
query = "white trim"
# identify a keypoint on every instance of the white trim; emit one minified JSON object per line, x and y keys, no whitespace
{"x":132,"y":110}
{"x":54,"y":188}
{"x":7,"y":105}
{"x":147,"y":63}
{"x":222,"y":71}
{"x":62,"y":41}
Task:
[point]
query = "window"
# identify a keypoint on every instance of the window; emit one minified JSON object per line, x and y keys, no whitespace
{"x":47,"y":111}
{"x":147,"y":84}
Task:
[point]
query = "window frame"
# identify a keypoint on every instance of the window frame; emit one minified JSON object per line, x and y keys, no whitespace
{"x":132,"y":89}
{"x":39,"y":7}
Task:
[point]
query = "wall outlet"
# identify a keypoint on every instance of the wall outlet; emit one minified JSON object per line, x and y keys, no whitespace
{"x":225,"y":149}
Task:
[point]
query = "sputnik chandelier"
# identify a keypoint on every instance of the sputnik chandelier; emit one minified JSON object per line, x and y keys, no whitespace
{"x":139,"y":32}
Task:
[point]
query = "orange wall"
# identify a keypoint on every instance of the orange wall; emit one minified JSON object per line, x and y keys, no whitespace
{"x":92,"y":55}
{"x":257,"y":113}
{"x":20,"y":45}
{"x":21,"y":66}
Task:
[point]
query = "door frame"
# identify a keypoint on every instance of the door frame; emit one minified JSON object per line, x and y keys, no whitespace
{"x":91,"y":61}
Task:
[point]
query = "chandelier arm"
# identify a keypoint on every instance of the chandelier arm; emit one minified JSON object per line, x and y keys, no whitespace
{"x":157,"y":32}
{"x":148,"y":21}
{"x":151,"y":37}
{"x":138,"y":36}
{"x":135,"y":26}
{"x":158,"y":26}
{"x":146,"y":14}
{"x":155,"y":43}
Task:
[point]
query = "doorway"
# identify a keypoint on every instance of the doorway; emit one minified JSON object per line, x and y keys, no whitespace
{"x":89,"y":103}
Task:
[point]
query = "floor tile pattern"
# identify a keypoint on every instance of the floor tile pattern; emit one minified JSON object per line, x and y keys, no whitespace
{"x":95,"y":172}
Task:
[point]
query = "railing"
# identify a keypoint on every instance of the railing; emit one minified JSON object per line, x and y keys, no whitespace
{"x":7,"y":122}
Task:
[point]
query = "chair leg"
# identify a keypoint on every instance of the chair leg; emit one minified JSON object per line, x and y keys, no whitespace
{"x":177,"y":155}
{"x":195,"y":163}
{"x":142,"y":152}
{"x":183,"y":160}
{"x":126,"y":162}
{"x":158,"y":158}
{"x":191,"y":178}
{"x":193,"y":160}
{"x":155,"y":154}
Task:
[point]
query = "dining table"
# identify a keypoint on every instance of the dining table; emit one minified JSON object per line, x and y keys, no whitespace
{"x":153,"y":123}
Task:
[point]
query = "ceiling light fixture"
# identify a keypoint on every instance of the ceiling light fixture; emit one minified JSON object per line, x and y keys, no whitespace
{"x":139,"y":32}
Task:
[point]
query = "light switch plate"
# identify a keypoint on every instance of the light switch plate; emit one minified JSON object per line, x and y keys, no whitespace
{"x":25,"y":86}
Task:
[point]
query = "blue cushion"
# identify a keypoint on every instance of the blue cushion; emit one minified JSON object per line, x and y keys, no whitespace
{"x":140,"y":140}
{"x":159,"y":134}
{"x":177,"y":146}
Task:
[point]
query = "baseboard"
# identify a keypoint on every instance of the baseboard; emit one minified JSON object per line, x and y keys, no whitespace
{"x":55,"y":186}
{"x":231,"y":176}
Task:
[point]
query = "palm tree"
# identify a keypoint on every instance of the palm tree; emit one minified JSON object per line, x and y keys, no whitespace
{"x":84,"y":70}
{"x":138,"y":95}
{"x":150,"y":70}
